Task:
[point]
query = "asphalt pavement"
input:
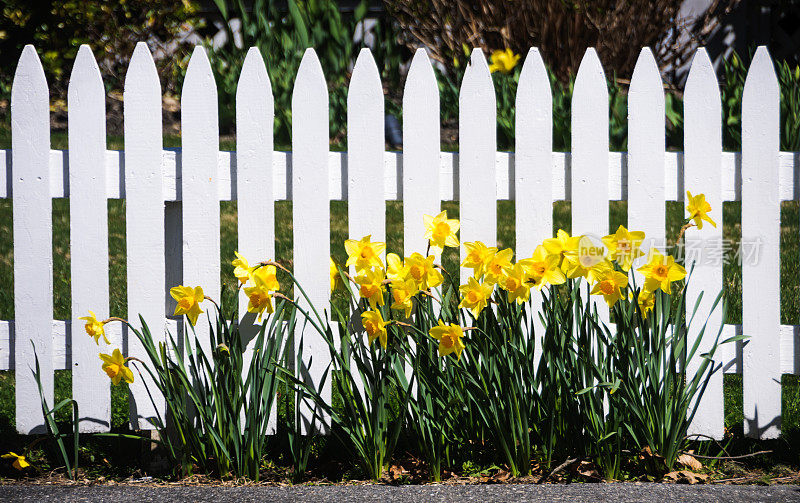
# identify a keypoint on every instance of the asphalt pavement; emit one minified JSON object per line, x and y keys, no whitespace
{"x":550,"y":493}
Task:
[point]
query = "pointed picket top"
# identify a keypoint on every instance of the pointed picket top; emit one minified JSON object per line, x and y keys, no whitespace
{"x":199,"y":82}
{"x":590,"y":73}
{"x":702,"y":80}
{"x":310,"y":77}
{"x":477,"y":130}
{"x":29,"y":80}
{"x":85,"y":76}
{"x":646,"y":145}
{"x":142,"y":71}
{"x":254,"y":76}
{"x":421,"y":147}
{"x":365,"y":145}
{"x":761,"y":223}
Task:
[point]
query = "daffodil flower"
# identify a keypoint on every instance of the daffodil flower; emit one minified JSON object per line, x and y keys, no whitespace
{"x":478,"y":257}
{"x":586,"y":260}
{"x":402,"y":294}
{"x":441,"y":231}
{"x":698,"y":209}
{"x":260,"y":294}
{"x":646,"y":301}
{"x":503,"y":61}
{"x":562,"y":244}
{"x":515,"y":284}
{"x":375,"y":326}
{"x":364,"y":253}
{"x":544,"y":265}
{"x":609,"y":285}
{"x":242,"y":269}
{"x":189,"y":300}
{"x":661,"y":271}
{"x":370,"y":283}
{"x":499,"y":265}
{"x":422,"y":271}
{"x":395,"y":269}
{"x":475,"y":296}
{"x":336,"y":279}
{"x":449,"y":337}
{"x":114,"y":366}
{"x":623,"y":246}
{"x":95,"y":328}
{"x":20,"y":463}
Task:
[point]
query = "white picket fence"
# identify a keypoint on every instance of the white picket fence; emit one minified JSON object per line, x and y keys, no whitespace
{"x":172,"y":210}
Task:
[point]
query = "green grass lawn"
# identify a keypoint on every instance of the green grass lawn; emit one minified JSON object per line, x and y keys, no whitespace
{"x":790,"y":276}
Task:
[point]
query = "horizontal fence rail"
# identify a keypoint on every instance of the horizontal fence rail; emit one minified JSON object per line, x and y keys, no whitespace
{"x":172,"y":195}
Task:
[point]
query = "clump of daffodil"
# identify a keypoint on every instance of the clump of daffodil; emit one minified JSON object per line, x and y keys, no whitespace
{"x":242,"y":269}
{"x":498,"y":266}
{"x":370,"y":282}
{"x":623,"y":246}
{"x":364,"y":253}
{"x":265,"y":281}
{"x":449,"y":337}
{"x":375,"y":326}
{"x":698,"y":209}
{"x":475,"y":296}
{"x":516,"y":283}
{"x":441,"y":231}
{"x":545,"y":266}
{"x":95,"y":328}
{"x":114,"y":366}
{"x":661,"y":271}
{"x":20,"y":463}
{"x":188,"y":300}
{"x":610,"y":284}
{"x":422,"y":271}
{"x":647,"y":301}
{"x":478,"y":257}
{"x":403,"y":292}
{"x":503,"y":61}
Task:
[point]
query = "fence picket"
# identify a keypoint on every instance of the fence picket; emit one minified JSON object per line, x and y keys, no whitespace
{"x":33,"y":239}
{"x":702,"y":157}
{"x":533,"y":184}
{"x":590,"y":155}
{"x":646,"y":141}
{"x":88,"y":224}
{"x":255,"y":113}
{"x":311,"y":210}
{"x":144,"y":221}
{"x":477,"y":131}
{"x":421,"y":147}
{"x":761,"y":226}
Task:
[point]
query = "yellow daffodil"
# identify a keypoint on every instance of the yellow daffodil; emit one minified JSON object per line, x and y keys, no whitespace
{"x":647,"y":301}
{"x":20,"y":463}
{"x":499,"y":265}
{"x":441,"y":231}
{"x":364,"y":253}
{"x":333,"y":271}
{"x":623,"y":246}
{"x":609,"y":285}
{"x":402,"y":294}
{"x":395,"y":270}
{"x":241,"y":268}
{"x":503,"y":61}
{"x":94,"y":328}
{"x":515,"y":284}
{"x":661,"y":271}
{"x":585,"y":260}
{"x":370,"y":283}
{"x":265,"y":281}
{"x":560,"y":245}
{"x":475,"y":296}
{"x":478,"y":257}
{"x":535,"y":281}
{"x":449,"y":337}
{"x":698,"y":209}
{"x":189,"y":300}
{"x":114,"y":366}
{"x":544,"y":265}
{"x":422,"y":271}
{"x":375,"y":326}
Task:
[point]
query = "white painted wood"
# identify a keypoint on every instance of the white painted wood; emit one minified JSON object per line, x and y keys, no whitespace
{"x":646,"y":195}
{"x":88,"y":237}
{"x":33,"y":239}
{"x":477,"y":140}
{"x":311,"y":213}
{"x":761,"y":224}
{"x":144,"y":220}
{"x":590,"y":156}
{"x":365,"y":146}
{"x":703,"y":145}
{"x":420,"y":156}
{"x":255,"y":113}
{"x":200,"y":141}
{"x":533,"y":185}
